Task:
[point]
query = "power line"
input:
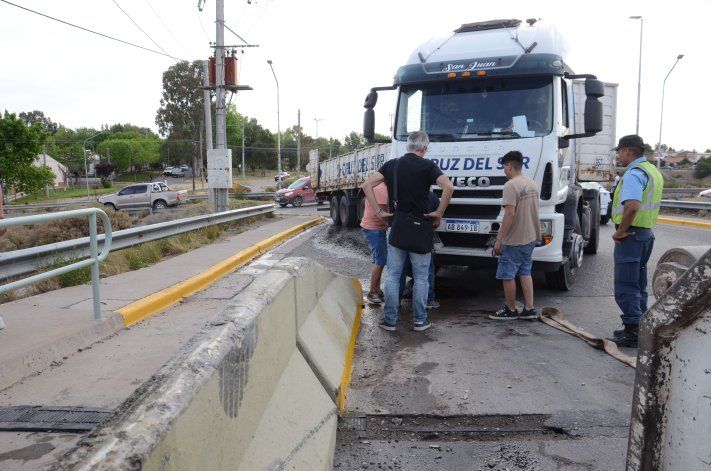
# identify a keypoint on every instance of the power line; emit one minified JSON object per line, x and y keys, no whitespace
{"x":92,"y":31}
{"x":203,"y":29}
{"x":139,"y":28}
{"x":166,"y":27}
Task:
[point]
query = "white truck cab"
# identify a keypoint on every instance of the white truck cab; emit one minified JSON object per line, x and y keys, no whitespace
{"x":486,"y":89}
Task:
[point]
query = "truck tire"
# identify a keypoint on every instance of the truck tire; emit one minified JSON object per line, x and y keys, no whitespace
{"x":563,"y":279}
{"x":159,"y":204}
{"x":361,"y":208}
{"x":335,"y":210}
{"x":594,"y":239}
{"x":347,"y":208}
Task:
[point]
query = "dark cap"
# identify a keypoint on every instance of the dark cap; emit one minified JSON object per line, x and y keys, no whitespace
{"x":633,"y":140}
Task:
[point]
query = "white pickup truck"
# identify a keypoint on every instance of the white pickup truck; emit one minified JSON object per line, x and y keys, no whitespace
{"x":146,"y":195}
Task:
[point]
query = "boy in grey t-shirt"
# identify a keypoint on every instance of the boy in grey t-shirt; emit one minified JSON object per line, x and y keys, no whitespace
{"x":519,"y":232}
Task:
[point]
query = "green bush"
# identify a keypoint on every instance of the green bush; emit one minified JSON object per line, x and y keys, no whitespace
{"x":703,"y":168}
{"x":105,"y":183}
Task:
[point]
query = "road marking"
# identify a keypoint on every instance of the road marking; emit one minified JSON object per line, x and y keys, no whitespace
{"x":350,"y":353}
{"x":685,"y":222}
{"x":156,"y":302}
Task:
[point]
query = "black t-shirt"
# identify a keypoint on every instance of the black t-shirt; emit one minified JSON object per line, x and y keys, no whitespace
{"x":415,"y":177}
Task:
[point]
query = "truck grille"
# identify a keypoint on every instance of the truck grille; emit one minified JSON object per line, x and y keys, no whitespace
{"x":473,"y":193}
{"x":455,"y":239}
{"x":472,"y":211}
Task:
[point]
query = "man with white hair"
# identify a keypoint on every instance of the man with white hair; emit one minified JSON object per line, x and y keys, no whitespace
{"x":415,"y":175}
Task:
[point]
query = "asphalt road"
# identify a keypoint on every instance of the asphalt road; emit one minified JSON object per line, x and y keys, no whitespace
{"x":472,"y":393}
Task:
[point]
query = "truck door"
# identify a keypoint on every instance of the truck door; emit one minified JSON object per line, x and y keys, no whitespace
{"x":123,"y":199}
{"x":141,"y":196}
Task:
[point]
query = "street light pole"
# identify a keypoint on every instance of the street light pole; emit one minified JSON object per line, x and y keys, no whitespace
{"x":86,"y":169}
{"x":661,"y":114}
{"x":278,"y":127}
{"x":639,"y":74}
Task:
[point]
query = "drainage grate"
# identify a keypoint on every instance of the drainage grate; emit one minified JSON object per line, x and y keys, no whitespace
{"x":51,"y":418}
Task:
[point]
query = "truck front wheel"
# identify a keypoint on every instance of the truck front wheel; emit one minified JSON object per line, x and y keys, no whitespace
{"x":563,"y":279}
{"x":160,"y":204}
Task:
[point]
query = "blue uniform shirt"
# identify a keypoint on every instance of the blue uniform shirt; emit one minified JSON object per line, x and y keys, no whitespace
{"x":635,"y":181}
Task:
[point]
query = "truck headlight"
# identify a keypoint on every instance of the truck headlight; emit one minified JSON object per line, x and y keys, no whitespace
{"x":546,"y":232}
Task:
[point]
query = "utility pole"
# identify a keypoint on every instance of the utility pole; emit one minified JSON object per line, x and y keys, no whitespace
{"x":221,"y":137}
{"x":44,"y":157}
{"x":202,"y":181}
{"x":243,"y":149}
{"x":298,"y":141}
{"x":207,"y":100}
{"x":639,"y":73}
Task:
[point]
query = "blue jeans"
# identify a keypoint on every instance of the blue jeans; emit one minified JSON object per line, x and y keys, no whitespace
{"x":396,"y":266}
{"x":430,"y":279}
{"x":631,"y":257}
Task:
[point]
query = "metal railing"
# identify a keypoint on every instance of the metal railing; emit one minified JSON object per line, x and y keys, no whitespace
{"x":94,"y":257}
{"x":28,"y":260}
{"x":697,"y":205}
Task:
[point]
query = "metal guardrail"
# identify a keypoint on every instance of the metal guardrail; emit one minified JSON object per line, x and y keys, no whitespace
{"x":94,"y":257}
{"x":28,"y":260}
{"x":698,"y":205}
{"x":21,"y":207}
{"x":682,"y":191}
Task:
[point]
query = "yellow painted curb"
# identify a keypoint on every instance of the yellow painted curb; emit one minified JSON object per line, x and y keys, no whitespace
{"x":350,"y":353}
{"x":156,"y":302}
{"x":685,"y":222}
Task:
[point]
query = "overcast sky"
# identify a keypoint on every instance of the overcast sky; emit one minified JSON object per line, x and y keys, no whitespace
{"x":327,"y":55}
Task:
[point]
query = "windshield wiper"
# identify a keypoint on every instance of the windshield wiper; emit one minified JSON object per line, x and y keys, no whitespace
{"x":498,"y":133}
{"x":442,"y":137}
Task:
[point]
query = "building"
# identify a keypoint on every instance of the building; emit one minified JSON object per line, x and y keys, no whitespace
{"x":61,"y":173}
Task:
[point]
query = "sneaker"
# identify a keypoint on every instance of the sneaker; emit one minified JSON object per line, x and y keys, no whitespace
{"x":386,"y":325}
{"x":423,"y":326}
{"x":505,"y":314}
{"x":528,"y":314}
{"x":373,"y":298}
{"x":433,"y":304}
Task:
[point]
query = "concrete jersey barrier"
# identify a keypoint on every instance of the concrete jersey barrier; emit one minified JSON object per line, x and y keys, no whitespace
{"x":242,"y":394}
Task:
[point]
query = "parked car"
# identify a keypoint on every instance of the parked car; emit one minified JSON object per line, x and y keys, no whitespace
{"x":167,"y":171}
{"x":281,"y":176}
{"x":296,"y":194}
{"x":178,"y":172}
{"x":155,"y":195}
{"x":605,"y":200}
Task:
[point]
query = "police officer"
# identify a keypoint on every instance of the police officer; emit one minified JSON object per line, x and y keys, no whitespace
{"x":635,"y":206}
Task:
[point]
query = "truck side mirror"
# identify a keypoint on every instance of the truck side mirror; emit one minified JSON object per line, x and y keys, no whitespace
{"x":371,"y":100}
{"x":369,"y":124}
{"x":594,"y":89}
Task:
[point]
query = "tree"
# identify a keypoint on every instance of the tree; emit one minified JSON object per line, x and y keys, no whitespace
{"x":181,"y":105}
{"x":354,"y":141}
{"x":703,"y":168}
{"x":21,"y":144}
{"x":38,"y":117}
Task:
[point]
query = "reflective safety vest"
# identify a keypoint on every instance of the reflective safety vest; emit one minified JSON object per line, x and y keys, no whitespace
{"x":651,"y":198}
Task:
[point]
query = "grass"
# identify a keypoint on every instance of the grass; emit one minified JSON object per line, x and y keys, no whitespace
{"x":141,"y":256}
{"x":56,"y":194}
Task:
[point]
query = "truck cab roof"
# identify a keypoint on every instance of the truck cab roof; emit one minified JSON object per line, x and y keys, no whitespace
{"x":491,"y":48}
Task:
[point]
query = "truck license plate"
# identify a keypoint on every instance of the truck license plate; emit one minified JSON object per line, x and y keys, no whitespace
{"x":458,"y":225}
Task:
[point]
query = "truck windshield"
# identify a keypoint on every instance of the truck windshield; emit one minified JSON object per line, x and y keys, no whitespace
{"x":480,"y":109}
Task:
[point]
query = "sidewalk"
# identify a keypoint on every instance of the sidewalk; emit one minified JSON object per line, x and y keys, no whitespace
{"x":44,"y":329}
{"x":106,"y":370}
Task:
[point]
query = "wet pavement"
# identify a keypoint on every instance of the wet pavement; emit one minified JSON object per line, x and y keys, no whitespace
{"x":476,"y":394}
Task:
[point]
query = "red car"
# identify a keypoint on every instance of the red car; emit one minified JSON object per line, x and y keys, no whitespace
{"x":297,"y":193}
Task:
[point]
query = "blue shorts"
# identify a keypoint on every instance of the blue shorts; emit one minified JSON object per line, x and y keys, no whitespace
{"x":378,"y":244}
{"x":515,"y":260}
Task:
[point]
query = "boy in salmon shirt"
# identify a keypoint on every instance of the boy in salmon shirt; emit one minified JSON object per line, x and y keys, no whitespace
{"x":374,"y":231}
